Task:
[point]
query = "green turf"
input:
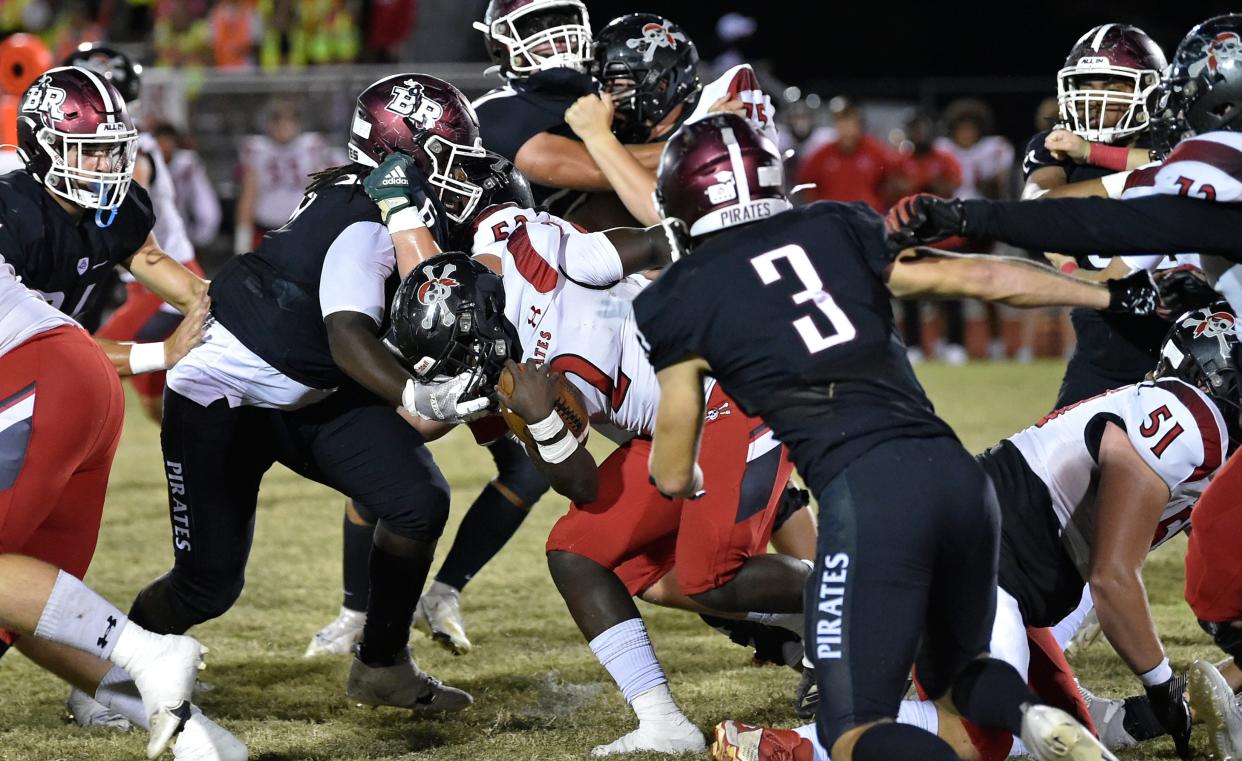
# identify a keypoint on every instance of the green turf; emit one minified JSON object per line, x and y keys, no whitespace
{"x":539,"y":692}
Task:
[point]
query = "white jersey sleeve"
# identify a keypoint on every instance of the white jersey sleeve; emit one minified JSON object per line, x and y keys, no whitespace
{"x":1175,"y":429}
{"x":592,"y":260}
{"x":355,"y":268}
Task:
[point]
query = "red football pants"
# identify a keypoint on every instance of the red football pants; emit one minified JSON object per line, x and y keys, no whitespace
{"x":640,"y":535}
{"x":61,"y":413}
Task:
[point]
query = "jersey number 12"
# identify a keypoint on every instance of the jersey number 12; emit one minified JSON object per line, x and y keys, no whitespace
{"x":812,"y":290}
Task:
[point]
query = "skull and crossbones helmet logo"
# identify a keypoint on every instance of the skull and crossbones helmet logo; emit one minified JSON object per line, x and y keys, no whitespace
{"x":1218,"y":325}
{"x":656,"y":36}
{"x":436,"y":291}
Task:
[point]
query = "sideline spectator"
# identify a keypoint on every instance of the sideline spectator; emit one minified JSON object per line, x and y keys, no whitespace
{"x":234,"y":33}
{"x":182,"y":34}
{"x":196,"y":198}
{"x":274,"y":171}
{"x":927,"y":169}
{"x":852,"y":167}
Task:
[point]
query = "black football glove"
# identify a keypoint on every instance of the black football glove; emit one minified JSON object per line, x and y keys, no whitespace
{"x":1135,"y":293}
{"x":1183,"y":288}
{"x":397,"y":184}
{"x":1168,"y":702}
{"x":921,"y":219}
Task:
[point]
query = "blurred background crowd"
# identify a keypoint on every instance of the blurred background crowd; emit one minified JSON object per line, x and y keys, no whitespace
{"x":247,"y":97}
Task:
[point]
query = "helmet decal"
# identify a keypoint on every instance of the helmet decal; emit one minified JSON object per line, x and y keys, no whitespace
{"x":43,"y":96}
{"x":656,"y":36}
{"x":1226,"y":46}
{"x":410,"y":101}
{"x":1216,"y":325}
{"x":436,"y":291}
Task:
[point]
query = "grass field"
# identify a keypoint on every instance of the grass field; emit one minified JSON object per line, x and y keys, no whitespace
{"x":539,"y":692}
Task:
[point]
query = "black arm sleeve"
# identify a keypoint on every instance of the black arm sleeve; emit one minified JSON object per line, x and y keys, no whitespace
{"x":1158,"y":224}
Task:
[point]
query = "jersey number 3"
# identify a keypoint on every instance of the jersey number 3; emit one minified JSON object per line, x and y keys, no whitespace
{"x":812,"y":290}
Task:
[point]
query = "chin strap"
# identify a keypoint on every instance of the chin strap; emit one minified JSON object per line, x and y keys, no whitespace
{"x":103,"y":200}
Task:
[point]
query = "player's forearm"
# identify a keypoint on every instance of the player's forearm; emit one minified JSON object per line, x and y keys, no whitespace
{"x":633,"y":183}
{"x":1125,"y":618}
{"x":1023,"y":284}
{"x":361,"y":356}
{"x":412,"y":247}
{"x":1156,"y":224}
{"x":647,"y":154}
{"x":121,"y":355}
{"x":576,"y":478}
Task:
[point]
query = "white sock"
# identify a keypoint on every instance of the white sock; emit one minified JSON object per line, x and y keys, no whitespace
{"x":442,"y":589}
{"x":919,"y":713}
{"x":1018,"y":749}
{"x":808,"y":733}
{"x":791,"y":621}
{"x":1065,"y":629}
{"x":118,"y":692}
{"x":626,"y":651}
{"x":78,"y":617}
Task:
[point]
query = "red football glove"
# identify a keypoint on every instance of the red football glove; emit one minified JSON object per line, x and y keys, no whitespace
{"x":923,"y":219}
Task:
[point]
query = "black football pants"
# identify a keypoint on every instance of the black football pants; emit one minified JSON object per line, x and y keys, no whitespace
{"x":905,"y":573}
{"x":215,"y":457}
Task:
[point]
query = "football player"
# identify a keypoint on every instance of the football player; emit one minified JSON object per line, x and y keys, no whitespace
{"x":144,"y":316}
{"x":1084,"y":495}
{"x":543,"y":49}
{"x":61,"y":412}
{"x":909,"y":522}
{"x":293,"y":370}
{"x":71,"y":214}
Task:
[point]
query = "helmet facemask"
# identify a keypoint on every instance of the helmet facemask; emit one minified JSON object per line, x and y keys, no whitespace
{"x":1085,"y":109}
{"x":91,"y":171}
{"x":543,"y":36}
{"x":459,"y":196}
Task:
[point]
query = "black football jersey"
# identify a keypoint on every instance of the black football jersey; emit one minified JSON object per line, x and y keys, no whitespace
{"x":513,"y":114}
{"x":67,"y":260}
{"x":269,"y":299}
{"x":793,"y":315}
{"x":1124,"y":345}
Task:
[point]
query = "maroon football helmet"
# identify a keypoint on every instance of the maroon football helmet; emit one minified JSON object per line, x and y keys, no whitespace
{"x":75,"y":136}
{"x":718,"y":172}
{"x":525,"y":36}
{"x":1112,"y":67}
{"x":428,"y":119}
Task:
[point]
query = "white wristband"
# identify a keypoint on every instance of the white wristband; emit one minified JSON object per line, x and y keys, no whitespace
{"x":546,"y":429}
{"x":405,"y":219}
{"x":143,"y":358}
{"x":558,"y":451}
{"x":1158,"y":675}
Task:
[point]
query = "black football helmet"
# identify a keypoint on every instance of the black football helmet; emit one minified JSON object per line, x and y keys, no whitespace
{"x":1202,"y":91}
{"x":650,"y":66}
{"x":123,"y":72}
{"x":1200,"y":349}
{"x":499,"y":182}
{"x":448,"y":318}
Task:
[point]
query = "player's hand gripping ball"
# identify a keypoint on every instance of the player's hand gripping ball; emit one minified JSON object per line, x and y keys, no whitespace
{"x":531,"y":392}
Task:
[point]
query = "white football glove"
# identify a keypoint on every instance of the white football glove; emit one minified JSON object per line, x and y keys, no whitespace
{"x":440,"y":401}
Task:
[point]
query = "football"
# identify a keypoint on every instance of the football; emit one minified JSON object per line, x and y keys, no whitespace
{"x":569,"y":405}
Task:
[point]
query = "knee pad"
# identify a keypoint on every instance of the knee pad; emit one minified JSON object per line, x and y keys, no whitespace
{"x":792,"y":500}
{"x":516,"y":472}
{"x":1226,"y":636}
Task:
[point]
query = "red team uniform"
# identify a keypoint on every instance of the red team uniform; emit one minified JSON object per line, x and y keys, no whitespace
{"x":61,"y":410}
{"x":568,"y":297}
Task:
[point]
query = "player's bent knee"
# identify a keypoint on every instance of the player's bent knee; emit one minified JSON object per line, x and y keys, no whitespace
{"x":420,"y":515}
{"x":843,"y":744}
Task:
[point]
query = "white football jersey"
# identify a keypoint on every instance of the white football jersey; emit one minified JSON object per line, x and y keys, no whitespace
{"x":1173,"y":426}
{"x":568,"y":297}
{"x":169,"y":229}
{"x":1205,"y":167}
{"x":282,"y":172}
{"x":23,"y":313}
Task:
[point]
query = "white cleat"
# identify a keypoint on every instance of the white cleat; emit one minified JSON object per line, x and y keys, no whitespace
{"x":1109,"y":715}
{"x":1214,"y":705}
{"x":674,"y":739}
{"x":164,"y":674}
{"x":438,"y":615}
{"x":1051,"y":734}
{"x":88,"y":712}
{"x":204,"y":740}
{"x":339,"y":636}
{"x":1088,"y":632}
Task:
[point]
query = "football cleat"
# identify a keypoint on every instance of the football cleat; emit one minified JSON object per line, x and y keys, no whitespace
{"x":1088,"y":632}
{"x":204,"y":740}
{"x":339,"y":636}
{"x":1051,"y":734}
{"x":1214,"y":704}
{"x":438,"y":615}
{"x":85,"y":711}
{"x":806,"y":700}
{"x":736,"y":741}
{"x":164,"y":674}
{"x":403,"y":685}
{"x":1109,"y":715}
{"x":673,"y":738}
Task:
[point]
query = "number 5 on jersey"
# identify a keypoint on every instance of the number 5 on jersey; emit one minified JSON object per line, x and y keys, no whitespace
{"x":1152,"y":427}
{"x":812,"y":290}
